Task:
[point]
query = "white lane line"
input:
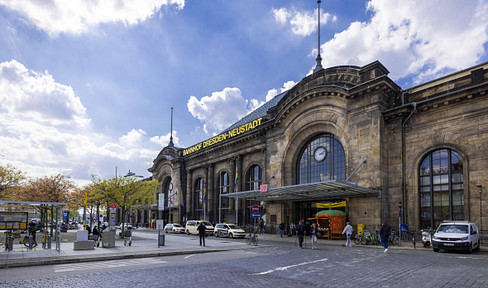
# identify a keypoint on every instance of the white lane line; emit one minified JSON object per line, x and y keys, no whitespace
{"x":291,"y":266}
{"x":105,"y":264}
{"x":186,"y":257}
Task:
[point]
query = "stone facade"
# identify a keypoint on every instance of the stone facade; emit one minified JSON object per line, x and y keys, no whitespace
{"x":372,"y":117}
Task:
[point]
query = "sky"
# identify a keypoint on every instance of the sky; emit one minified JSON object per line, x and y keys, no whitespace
{"x":86,"y":87}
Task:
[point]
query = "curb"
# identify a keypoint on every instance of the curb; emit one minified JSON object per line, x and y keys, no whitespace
{"x":16,"y":263}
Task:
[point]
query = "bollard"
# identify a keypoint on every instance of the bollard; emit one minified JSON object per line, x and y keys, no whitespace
{"x":10,"y":243}
{"x":31,"y":241}
{"x":49,"y":242}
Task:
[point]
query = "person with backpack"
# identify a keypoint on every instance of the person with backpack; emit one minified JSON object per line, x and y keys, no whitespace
{"x":385,"y":235}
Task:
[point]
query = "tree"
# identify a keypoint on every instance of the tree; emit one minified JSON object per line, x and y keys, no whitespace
{"x":11,"y":181}
{"x":47,"y":189}
{"x":127,"y":192}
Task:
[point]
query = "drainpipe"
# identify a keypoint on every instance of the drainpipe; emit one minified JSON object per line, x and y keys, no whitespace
{"x":404,"y":172}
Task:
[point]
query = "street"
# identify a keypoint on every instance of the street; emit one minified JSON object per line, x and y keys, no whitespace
{"x":273,"y":264}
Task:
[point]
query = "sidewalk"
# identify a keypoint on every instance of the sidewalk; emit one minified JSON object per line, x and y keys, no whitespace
{"x":145,"y":244}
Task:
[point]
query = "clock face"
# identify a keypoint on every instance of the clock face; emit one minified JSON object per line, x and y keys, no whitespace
{"x":320,"y":153}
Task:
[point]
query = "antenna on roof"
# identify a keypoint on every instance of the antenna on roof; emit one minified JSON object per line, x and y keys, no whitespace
{"x":171,"y":138}
{"x":319,"y":59}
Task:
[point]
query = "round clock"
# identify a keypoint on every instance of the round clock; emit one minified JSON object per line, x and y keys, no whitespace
{"x":320,"y":153}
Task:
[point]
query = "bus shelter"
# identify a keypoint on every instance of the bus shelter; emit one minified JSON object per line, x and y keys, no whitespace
{"x":57,"y":206}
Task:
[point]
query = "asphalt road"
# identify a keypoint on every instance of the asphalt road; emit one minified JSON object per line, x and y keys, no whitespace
{"x":277,"y":265}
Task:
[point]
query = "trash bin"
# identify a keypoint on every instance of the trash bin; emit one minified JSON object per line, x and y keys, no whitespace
{"x":108,"y":239}
{"x":360,"y":229}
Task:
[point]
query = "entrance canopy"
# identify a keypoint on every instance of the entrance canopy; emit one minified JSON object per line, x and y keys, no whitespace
{"x":327,"y":190}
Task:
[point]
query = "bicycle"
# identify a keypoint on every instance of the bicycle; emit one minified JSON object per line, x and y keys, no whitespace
{"x":359,"y":239}
{"x":45,"y":237}
{"x":19,"y":235}
{"x":393,"y":239}
{"x":252,"y":238}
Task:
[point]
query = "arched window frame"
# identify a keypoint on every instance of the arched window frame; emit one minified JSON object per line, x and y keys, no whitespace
{"x":198,"y":194}
{"x":255,"y":177}
{"x":224,"y":188}
{"x":441,"y":187}
{"x":333,"y":167}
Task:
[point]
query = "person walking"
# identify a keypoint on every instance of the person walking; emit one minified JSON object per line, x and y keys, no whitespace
{"x":385,"y":235}
{"x":314,"y":234}
{"x":348,"y":231}
{"x":261,"y":227}
{"x":201,"y":232}
{"x":300,"y":233}
{"x":292,"y":228}
{"x":282,"y":228}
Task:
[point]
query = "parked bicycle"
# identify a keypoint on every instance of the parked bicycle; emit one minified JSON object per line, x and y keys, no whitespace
{"x":393,"y":240}
{"x":20,"y":236}
{"x":45,"y":238}
{"x":252,"y":237}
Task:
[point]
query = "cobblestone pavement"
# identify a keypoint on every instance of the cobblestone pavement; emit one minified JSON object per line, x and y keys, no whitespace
{"x":284,"y":265}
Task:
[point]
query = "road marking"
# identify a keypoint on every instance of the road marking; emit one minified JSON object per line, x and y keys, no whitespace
{"x":106,"y":264}
{"x":291,"y":266}
{"x":189,"y":256}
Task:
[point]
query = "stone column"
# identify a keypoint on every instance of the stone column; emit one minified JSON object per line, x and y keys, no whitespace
{"x":189,"y":190}
{"x":241,"y":203}
{"x":232,"y":179}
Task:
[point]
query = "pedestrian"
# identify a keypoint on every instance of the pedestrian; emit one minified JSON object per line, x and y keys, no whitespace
{"x":261,"y":227}
{"x":385,"y":235}
{"x":95,"y":230}
{"x":88,"y":229}
{"x":32,"y":232}
{"x":201,"y":232}
{"x":348,"y":231}
{"x":314,"y":234}
{"x":300,"y":233}
{"x":292,"y":228}
{"x":282,"y":228}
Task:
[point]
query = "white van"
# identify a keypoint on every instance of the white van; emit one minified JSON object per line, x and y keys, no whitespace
{"x":192,"y":225}
{"x":456,"y":235}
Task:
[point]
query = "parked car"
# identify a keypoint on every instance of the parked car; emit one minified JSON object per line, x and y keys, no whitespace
{"x":174,"y":228}
{"x":456,"y":235}
{"x":192,"y":225}
{"x":229,"y":230}
{"x":64,"y":227}
{"x":73,"y":226}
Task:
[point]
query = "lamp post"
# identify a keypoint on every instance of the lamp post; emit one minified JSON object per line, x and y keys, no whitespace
{"x":131,"y":174}
{"x":481,"y":217}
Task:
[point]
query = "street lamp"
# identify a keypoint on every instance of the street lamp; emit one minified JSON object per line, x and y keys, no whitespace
{"x":132,"y":174}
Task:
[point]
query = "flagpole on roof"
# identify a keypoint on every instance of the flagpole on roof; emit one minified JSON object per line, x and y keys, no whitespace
{"x":171,"y":137}
{"x":318,"y":66}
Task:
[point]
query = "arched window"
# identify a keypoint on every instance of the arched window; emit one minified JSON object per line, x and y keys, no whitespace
{"x":322,"y":159}
{"x":441,"y":188}
{"x":198,"y":194}
{"x":255,"y":178}
{"x":224,"y":189}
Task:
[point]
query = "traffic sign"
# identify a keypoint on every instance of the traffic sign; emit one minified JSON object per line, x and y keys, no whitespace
{"x":256,"y":215}
{"x":263,"y":188}
{"x":255,"y":209}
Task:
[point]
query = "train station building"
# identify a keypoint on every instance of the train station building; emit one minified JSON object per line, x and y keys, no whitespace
{"x":344,"y":133}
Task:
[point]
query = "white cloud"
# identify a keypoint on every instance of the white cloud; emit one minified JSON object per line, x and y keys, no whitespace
{"x":427,"y":38}
{"x":44,"y":131}
{"x":302,"y":23}
{"x":78,"y":16}
{"x":222,"y":109}
{"x":273,"y":92}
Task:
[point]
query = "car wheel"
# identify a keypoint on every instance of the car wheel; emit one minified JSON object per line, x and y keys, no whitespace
{"x":435,"y":249}
{"x":478,"y":247}
{"x":470,"y":248}
{"x":231,"y":236}
{"x":187,"y":232}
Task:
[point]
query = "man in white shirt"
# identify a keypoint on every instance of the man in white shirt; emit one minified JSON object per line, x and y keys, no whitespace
{"x":348,"y":231}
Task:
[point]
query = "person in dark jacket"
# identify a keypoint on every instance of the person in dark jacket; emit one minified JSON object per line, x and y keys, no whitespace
{"x":385,"y":235}
{"x":201,"y":232}
{"x":282,"y":228}
{"x":300,"y":233}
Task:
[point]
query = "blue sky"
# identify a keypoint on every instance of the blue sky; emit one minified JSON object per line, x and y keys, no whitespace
{"x":87,"y":88}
